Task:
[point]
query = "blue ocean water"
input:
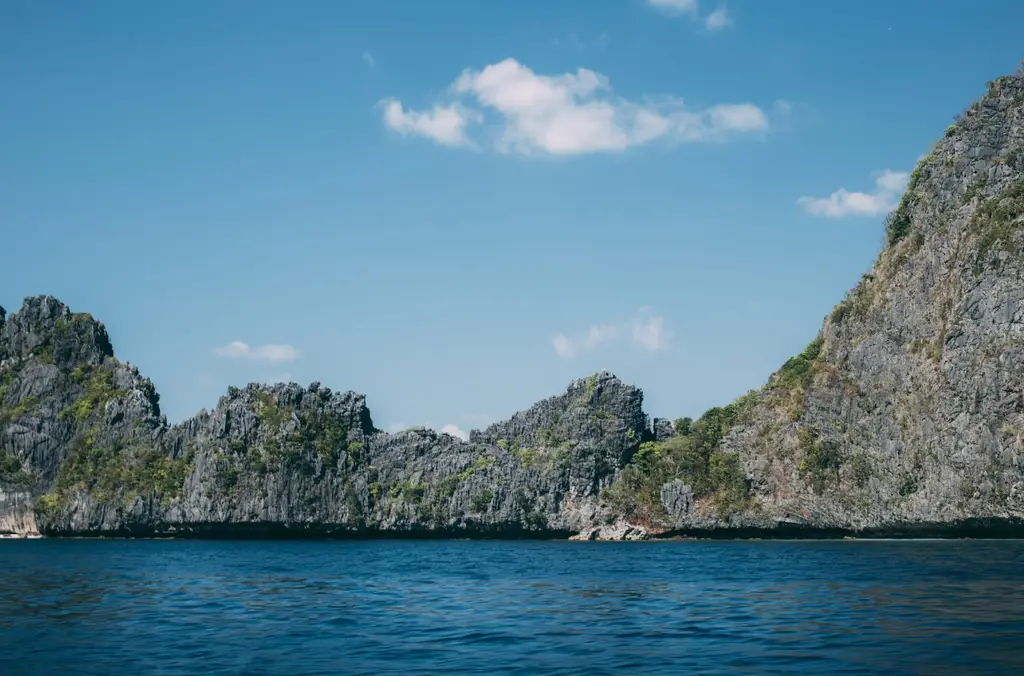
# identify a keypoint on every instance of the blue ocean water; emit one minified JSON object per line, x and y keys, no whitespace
{"x":429,"y":607}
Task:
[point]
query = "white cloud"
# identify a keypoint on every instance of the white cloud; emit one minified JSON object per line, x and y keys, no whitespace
{"x":563,"y":346}
{"x":782,"y":107}
{"x":601,"y":334}
{"x":889,"y":185}
{"x":596,"y":335}
{"x":717,"y":20}
{"x":675,"y":6}
{"x":368,"y":59}
{"x":742,"y":117}
{"x":455,"y":432}
{"x":567,"y":114}
{"x":239,"y":350}
{"x":649,"y":332}
{"x":444,"y":124}
{"x":646,"y":331}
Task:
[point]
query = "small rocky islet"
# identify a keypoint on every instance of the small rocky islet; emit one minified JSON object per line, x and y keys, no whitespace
{"x":904,"y":416}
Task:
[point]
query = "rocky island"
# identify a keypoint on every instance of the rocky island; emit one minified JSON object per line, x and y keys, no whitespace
{"x":904,"y":416}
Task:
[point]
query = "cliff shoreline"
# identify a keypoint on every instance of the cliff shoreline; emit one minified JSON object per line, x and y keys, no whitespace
{"x":970,"y":529}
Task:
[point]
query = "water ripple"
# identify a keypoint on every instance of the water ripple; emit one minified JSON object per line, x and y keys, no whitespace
{"x":156,"y":607}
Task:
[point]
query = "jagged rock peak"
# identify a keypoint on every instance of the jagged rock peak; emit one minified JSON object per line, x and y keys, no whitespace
{"x":45,"y":327}
{"x":599,"y":378}
{"x":288,"y":398}
{"x":975,"y":158}
{"x":585,"y":402}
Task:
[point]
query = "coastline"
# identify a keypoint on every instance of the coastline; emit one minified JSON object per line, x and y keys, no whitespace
{"x":968,"y":529}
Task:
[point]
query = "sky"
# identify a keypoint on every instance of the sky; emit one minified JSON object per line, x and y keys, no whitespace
{"x":457,"y":208}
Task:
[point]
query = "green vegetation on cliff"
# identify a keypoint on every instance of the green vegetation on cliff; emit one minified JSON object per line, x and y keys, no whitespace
{"x":116,"y":474}
{"x":24,"y":407}
{"x":692,"y":456}
{"x":99,"y":389}
{"x":11,"y":471}
{"x":997,"y":223}
{"x":822,"y":459}
{"x":695,"y":457}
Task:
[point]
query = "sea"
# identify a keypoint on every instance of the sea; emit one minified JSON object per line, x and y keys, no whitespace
{"x":526,"y":607}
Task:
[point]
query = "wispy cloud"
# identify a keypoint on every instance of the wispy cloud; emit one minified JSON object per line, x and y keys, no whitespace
{"x":368,"y":59}
{"x":568,"y":348}
{"x":566,"y":114}
{"x":455,"y":431}
{"x":714,"y":21}
{"x":649,"y":331}
{"x":581,"y":44}
{"x":646,"y":331}
{"x":239,"y":350}
{"x":675,"y":6}
{"x":889,"y":185}
{"x":782,"y":107}
{"x":285,"y":377}
{"x":717,"y":20}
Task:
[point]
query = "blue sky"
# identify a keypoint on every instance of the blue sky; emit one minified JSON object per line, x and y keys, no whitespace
{"x":459,"y":207}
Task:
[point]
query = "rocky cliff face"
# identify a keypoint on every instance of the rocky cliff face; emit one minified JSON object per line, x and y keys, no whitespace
{"x":84,"y":450}
{"x":62,"y":395}
{"x":905,"y":414}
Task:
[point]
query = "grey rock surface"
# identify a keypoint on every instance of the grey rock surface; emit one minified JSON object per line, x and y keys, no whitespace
{"x":913,"y":414}
{"x":662,"y":429}
{"x":620,"y":530}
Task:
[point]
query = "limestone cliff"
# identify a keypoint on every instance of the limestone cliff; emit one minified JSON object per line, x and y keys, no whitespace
{"x":62,"y":395}
{"x":904,"y":415}
{"x":907,"y":412}
{"x":84,"y":450}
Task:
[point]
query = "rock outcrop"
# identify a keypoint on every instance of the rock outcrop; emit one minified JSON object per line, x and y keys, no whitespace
{"x":904,"y":415}
{"x":620,"y":530}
